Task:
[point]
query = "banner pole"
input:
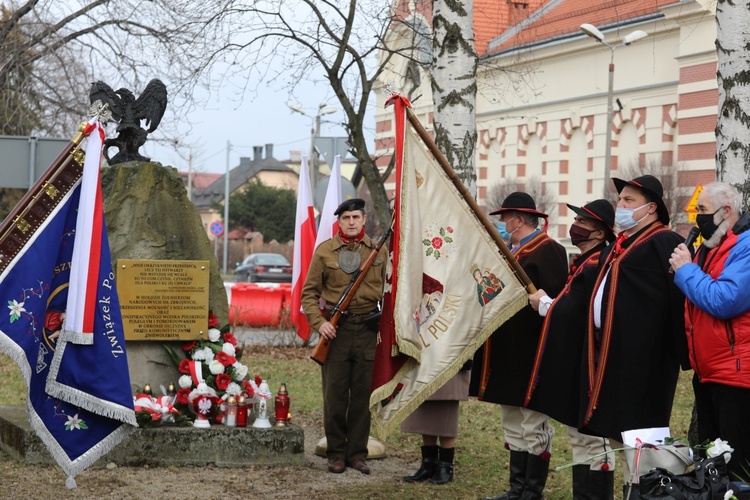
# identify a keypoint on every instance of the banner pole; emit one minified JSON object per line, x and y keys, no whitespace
{"x":509,"y":257}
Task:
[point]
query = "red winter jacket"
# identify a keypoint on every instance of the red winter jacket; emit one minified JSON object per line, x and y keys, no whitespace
{"x":719,"y":348}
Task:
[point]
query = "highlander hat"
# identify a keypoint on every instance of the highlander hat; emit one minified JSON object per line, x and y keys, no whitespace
{"x":519,"y":202}
{"x":598,"y":210}
{"x":651,"y":186}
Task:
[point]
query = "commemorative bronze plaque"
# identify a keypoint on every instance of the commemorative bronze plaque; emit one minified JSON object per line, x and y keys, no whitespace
{"x":163,"y":299}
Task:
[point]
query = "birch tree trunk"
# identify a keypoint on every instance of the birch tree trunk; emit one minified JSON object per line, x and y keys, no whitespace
{"x":733,"y":74}
{"x":454,"y":88}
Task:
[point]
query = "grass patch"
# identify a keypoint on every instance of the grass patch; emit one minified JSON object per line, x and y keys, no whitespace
{"x":481,"y":460}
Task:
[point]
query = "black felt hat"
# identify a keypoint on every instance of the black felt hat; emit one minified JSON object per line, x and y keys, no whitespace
{"x":519,"y":202}
{"x":651,"y":186}
{"x":348,"y":205}
{"x":598,"y":210}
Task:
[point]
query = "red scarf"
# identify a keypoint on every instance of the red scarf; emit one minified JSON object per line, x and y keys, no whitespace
{"x":354,"y":239}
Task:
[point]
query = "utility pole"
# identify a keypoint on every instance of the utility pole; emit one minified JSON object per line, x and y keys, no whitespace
{"x":226,"y":210}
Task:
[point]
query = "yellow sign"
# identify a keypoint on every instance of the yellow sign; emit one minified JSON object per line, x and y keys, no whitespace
{"x":163,"y":299}
{"x":692,"y":216}
{"x":692,"y":206}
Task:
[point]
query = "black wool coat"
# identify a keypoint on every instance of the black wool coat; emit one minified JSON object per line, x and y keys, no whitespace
{"x":503,"y":364}
{"x":555,"y":381}
{"x":633,"y":362}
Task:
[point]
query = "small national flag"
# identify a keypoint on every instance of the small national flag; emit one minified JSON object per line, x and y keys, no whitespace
{"x":78,"y":400}
{"x":329,"y":227}
{"x":304,"y":246}
{"x":447,"y":287}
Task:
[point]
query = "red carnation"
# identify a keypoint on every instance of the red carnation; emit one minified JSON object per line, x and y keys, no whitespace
{"x":188,"y":346}
{"x":222,"y":381}
{"x":546,"y":456}
{"x":258,"y":380}
{"x":184,"y":367}
{"x":225,"y":359}
{"x":605,"y":467}
{"x":228,"y":337}
{"x":213,"y":320}
{"x":182,"y":396}
{"x":437,"y":242}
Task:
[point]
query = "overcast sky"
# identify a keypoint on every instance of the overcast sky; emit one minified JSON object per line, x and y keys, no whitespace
{"x":263,"y":120}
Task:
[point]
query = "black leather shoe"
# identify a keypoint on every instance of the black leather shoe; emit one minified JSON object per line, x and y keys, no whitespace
{"x":444,"y":473}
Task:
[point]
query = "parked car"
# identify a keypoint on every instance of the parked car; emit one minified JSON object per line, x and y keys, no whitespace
{"x":264,"y":268}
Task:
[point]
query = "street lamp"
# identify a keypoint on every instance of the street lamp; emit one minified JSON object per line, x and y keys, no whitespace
{"x":597,"y":35}
{"x":314,"y":132}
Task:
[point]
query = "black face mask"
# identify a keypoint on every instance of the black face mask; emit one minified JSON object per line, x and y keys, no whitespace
{"x":579,"y":234}
{"x":706,"y":224}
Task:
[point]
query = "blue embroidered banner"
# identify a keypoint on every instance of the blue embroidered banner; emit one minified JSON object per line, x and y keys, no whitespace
{"x":79,"y":399}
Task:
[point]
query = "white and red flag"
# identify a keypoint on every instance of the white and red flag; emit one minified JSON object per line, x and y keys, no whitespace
{"x":447,"y":286}
{"x":304,"y":246}
{"x":329,"y":227}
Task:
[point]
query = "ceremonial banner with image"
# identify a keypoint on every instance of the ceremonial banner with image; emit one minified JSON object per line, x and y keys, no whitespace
{"x":447,"y":289}
{"x":79,"y":399}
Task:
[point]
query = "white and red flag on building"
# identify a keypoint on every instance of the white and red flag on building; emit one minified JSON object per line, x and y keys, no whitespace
{"x":329,"y":227}
{"x":304,"y":246}
{"x":447,"y":287}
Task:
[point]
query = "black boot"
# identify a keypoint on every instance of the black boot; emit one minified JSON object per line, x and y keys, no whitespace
{"x":601,"y":485}
{"x":444,"y":473}
{"x":428,"y":467}
{"x":518,"y":462}
{"x":537,"y":469}
{"x":581,"y":482}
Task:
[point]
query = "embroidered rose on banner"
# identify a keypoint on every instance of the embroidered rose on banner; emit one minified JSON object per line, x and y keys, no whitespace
{"x":439,"y":241}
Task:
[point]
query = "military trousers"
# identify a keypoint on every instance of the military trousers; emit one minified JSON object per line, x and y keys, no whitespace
{"x":347,"y":375}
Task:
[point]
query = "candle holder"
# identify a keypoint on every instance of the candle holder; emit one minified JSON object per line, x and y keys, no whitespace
{"x":261,"y":407}
{"x":231,"y":416}
{"x":202,"y":404}
{"x":242,"y":408}
{"x":281,"y":407}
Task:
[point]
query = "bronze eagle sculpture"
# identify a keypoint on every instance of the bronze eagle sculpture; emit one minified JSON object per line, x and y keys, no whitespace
{"x":128,"y":112}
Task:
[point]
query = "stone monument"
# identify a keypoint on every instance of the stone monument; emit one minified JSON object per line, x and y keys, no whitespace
{"x":149,"y":216}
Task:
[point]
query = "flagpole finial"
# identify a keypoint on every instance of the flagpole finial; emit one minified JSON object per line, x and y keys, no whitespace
{"x":101,"y":111}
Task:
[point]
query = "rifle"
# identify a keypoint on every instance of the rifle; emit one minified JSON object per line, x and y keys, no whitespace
{"x":320,"y":353}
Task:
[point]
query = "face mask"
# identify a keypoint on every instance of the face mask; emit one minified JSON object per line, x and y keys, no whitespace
{"x":706,"y":224}
{"x":503,"y":230}
{"x":624,"y":217}
{"x":579,"y":234}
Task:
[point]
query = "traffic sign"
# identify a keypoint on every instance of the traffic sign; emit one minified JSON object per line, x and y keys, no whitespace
{"x":692,"y":206}
{"x":217,"y":228}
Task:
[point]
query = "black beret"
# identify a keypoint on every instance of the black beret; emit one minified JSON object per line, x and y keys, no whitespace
{"x":348,"y":205}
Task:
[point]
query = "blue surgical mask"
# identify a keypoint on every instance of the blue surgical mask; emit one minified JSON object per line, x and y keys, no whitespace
{"x":624,"y":217}
{"x":503,"y":230}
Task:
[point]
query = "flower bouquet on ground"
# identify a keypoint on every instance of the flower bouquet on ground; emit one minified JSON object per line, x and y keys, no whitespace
{"x":211,"y":371}
{"x":153,"y":411}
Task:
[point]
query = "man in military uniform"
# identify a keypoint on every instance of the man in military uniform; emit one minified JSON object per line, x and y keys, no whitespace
{"x":347,"y":372}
